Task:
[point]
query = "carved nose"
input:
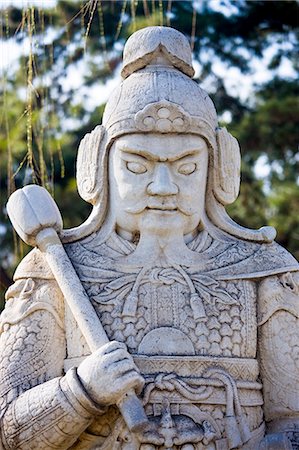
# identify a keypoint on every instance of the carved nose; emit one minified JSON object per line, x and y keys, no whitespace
{"x":162,"y":183}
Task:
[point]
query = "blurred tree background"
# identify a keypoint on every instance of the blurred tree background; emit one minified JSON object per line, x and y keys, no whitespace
{"x":68,"y":51}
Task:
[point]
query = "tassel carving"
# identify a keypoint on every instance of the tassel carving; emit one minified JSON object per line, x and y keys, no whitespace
{"x":232,"y":432}
{"x":197,"y":307}
{"x":130,"y":305}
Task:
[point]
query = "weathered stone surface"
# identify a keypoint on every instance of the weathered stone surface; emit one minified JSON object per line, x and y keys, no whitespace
{"x":203,"y":314}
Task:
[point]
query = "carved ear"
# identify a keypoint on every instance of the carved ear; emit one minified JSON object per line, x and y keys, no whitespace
{"x":91,"y":165}
{"x":227,"y":168}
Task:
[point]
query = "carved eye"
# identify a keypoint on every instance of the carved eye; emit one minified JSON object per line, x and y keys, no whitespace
{"x":187,"y":169}
{"x":136,"y":167}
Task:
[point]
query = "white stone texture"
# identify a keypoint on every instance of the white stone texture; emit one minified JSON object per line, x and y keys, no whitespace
{"x":202,"y":314}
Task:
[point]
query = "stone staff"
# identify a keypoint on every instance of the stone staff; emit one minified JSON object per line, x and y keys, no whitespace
{"x":37,"y":220}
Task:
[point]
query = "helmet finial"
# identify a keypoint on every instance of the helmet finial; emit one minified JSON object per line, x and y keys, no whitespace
{"x":152,"y":45}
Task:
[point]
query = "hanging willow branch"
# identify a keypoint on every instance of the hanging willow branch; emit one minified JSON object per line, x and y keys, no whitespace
{"x":120,"y":23}
{"x":193,"y":30}
{"x":134,"y":4}
{"x":29,"y":15}
{"x":93,"y":6}
{"x":161,"y":12}
{"x":168,"y":14}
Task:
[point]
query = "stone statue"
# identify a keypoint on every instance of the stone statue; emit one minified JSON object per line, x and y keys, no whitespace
{"x":202,"y":314}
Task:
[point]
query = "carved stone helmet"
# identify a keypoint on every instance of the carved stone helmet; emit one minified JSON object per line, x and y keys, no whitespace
{"x":158,"y":95}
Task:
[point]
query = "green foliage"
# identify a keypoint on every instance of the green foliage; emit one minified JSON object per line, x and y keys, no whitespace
{"x":44,"y":116}
{"x":284,"y":207}
{"x":272,"y":127}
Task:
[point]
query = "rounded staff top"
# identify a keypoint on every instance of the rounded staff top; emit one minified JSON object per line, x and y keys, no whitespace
{"x":144,"y":44}
{"x":31,"y":210}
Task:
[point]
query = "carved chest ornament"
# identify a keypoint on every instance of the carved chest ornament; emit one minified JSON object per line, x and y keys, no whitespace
{"x":206,"y":289}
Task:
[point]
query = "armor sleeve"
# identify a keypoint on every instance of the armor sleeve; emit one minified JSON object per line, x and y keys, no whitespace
{"x":39,"y":407}
{"x":278,"y":320}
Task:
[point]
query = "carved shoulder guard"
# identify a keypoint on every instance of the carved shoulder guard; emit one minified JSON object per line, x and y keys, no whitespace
{"x":278,"y":314}
{"x":33,"y":265}
{"x":32,"y":344}
{"x":31,"y":326}
{"x":39,"y":408}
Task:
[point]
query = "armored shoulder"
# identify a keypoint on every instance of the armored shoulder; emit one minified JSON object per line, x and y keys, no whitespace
{"x":34,"y":289}
{"x":32,"y":343}
{"x":278,"y":316}
{"x":33,"y":265}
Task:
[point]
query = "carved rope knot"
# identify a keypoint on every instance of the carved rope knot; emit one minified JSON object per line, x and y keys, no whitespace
{"x":161,"y":275}
{"x":163,"y":117}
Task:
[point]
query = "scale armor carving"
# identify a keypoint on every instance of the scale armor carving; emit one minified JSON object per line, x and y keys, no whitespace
{"x":214,"y":333}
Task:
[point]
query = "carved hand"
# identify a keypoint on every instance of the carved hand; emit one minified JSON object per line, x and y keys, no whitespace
{"x":36,"y":218}
{"x":109,"y":373}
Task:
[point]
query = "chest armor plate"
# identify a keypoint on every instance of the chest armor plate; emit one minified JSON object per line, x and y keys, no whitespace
{"x":193,"y":336}
{"x":164,"y":322}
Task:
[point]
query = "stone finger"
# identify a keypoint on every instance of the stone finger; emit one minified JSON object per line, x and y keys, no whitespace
{"x":117,"y":355}
{"x":112,"y":346}
{"x":122,"y":366}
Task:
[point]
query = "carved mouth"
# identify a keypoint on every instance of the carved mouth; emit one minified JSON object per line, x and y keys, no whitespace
{"x":166,"y":209}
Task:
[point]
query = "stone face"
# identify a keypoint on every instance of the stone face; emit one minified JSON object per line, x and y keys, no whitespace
{"x":202,"y":314}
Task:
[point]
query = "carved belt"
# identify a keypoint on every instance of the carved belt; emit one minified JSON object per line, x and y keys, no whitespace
{"x":180,"y":389}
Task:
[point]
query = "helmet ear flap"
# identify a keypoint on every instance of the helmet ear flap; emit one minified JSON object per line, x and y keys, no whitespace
{"x":226,"y":168}
{"x":91,"y":165}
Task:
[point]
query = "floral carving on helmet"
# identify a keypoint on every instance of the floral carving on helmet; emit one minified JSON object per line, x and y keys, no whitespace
{"x":163,"y":117}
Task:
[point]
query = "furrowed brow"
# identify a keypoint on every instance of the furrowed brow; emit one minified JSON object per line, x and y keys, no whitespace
{"x":146,"y":154}
{"x":184,"y":155}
